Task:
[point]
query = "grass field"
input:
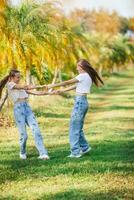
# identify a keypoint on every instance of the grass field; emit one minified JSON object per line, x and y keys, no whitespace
{"x":106,"y":173}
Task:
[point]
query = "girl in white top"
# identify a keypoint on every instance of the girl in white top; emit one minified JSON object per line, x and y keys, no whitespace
{"x":23,"y":113}
{"x":82,"y":84}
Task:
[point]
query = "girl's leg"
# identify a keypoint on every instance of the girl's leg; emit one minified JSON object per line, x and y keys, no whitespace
{"x":77,"y":138}
{"x":74,"y":133}
{"x":82,"y":140}
{"x":76,"y":125}
{"x":19,"y":114}
{"x":36,"y":131}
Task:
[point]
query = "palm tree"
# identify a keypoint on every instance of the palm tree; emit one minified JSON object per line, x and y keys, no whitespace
{"x":25,"y":29}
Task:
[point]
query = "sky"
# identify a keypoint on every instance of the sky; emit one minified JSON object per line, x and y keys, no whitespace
{"x":123,"y":7}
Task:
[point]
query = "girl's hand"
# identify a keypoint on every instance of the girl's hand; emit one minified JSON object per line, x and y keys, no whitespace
{"x":44,"y":86}
{"x":56,"y":92}
{"x":52,"y":92}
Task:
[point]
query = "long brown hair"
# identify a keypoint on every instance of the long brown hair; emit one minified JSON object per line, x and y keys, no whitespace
{"x":86,"y":66}
{"x":6,"y":78}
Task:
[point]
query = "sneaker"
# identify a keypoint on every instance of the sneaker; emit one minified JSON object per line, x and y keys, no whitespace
{"x":74,"y":156}
{"x":23,"y":156}
{"x":44,"y":157}
{"x":86,"y":151}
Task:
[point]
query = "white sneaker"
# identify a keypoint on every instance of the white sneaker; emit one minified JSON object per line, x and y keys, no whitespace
{"x":23,"y":156}
{"x":44,"y":157}
{"x":74,"y":156}
{"x":84,"y":152}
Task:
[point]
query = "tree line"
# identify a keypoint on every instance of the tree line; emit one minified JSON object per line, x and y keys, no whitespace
{"x":44,"y":43}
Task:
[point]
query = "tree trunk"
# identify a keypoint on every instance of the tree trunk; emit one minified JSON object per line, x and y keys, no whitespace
{"x":100,"y":70}
{"x":115,"y":69}
{"x":54,"y":78}
{"x":2,"y":101}
{"x":60,"y":78}
{"x":28,"y":76}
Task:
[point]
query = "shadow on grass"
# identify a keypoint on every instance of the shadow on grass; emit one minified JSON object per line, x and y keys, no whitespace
{"x":9,"y":197}
{"x":121,"y":75}
{"x":105,"y":157}
{"x":41,"y":113}
{"x":110,"y":108}
{"x":111,"y":88}
{"x":113,"y":119}
{"x":79,"y":194}
{"x":74,"y":194}
{"x":124,"y":93}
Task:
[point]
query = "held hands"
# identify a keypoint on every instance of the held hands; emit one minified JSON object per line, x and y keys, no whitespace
{"x":56,"y":92}
{"x":43,"y":86}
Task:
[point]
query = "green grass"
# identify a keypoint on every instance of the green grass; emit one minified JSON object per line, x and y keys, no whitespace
{"x":106,"y":173}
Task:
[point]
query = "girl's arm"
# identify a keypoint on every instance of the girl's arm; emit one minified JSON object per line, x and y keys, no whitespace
{"x":64,"y":90}
{"x":27,"y":87}
{"x":38,"y":93}
{"x":71,"y":81}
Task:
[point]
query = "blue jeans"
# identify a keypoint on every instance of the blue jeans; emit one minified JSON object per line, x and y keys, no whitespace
{"x":77,"y":139}
{"x":24,"y":116}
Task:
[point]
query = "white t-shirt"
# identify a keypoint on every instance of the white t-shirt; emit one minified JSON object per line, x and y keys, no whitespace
{"x":84,"y":84}
{"x":15,"y":94}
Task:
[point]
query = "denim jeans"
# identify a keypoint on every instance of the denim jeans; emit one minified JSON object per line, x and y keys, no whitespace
{"x":77,"y":138}
{"x":24,"y":116}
